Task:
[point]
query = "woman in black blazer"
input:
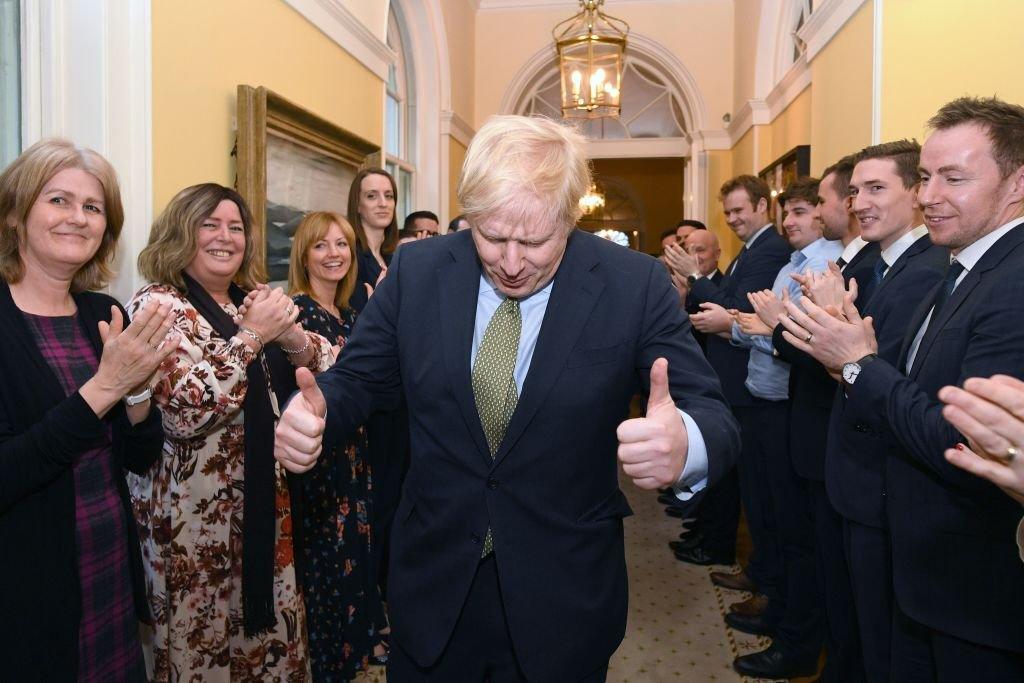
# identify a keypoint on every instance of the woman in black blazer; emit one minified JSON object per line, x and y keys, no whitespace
{"x":74,"y":415}
{"x":371,"y":211}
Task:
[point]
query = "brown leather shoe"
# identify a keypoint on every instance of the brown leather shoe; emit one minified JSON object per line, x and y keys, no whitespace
{"x":750,"y":607}
{"x":737,"y":582}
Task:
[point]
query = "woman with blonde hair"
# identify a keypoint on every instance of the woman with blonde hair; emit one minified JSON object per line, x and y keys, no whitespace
{"x":343,"y":604}
{"x":215,"y":513}
{"x":75,"y":414}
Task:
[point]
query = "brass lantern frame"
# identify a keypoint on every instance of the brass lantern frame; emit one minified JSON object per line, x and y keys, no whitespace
{"x":590,"y":48}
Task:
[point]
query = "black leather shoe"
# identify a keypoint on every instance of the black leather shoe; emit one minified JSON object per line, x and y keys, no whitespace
{"x":688,"y":533}
{"x":689,"y":543}
{"x":754,"y":625}
{"x":668,"y":499}
{"x":673,"y":511}
{"x":702,"y":557}
{"x":664,"y":490}
{"x":775,"y":663}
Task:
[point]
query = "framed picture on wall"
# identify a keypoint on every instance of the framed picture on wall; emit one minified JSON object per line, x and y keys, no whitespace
{"x":291,"y":162}
{"x":792,"y":165}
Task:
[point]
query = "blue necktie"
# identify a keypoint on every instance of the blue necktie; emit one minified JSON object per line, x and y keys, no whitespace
{"x":880,"y":267}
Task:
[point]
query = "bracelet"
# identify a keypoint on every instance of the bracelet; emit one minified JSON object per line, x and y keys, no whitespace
{"x":292,"y":352}
{"x":252,"y":335}
{"x":136,"y":399}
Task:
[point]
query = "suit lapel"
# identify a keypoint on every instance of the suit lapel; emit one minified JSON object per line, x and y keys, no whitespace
{"x":992,"y":257}
{"x":459,"y":279}
{"x":573,"y":295}
{"x":916,"y":248}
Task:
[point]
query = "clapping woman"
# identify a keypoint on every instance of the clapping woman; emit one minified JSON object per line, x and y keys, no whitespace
{"x":342,"y":600}
{"x":75,"y":413}
{"x":215,"y":512}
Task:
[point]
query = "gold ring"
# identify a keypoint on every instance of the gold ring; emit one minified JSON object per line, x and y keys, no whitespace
{"x":1011,"y":453}
{"x":809,"y":338}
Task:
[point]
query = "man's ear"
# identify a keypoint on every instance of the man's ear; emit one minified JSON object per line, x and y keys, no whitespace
{"x":762,"y":205}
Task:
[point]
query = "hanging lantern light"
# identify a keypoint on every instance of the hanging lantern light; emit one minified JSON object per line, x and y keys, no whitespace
{"x":590,"y":46}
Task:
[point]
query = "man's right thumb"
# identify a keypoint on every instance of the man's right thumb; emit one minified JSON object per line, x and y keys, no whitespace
{"x":311,"y":392}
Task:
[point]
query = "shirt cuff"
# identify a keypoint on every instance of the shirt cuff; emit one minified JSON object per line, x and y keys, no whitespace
{"x":695,"y":472}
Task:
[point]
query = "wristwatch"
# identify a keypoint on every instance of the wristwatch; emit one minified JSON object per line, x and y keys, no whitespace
{"x":691,"y":279}
{"x":852,"y":370}
{"x":136,"y":399}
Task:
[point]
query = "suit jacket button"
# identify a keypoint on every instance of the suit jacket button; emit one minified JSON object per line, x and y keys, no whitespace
{"x":492,"y":484}
{"x":475,"y":539}
{"x":860,"y":427}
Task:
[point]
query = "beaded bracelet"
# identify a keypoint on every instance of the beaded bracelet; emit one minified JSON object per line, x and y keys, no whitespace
{"x":292,"y":352}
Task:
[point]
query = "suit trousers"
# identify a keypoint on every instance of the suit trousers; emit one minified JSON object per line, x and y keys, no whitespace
{"x":844,"y":662}
{"x":763,"y":429}
{"x":869,"y":557}
{"x":800,"y":630}
{"x":923,"y":655}
{"x":719,"y":515}
{"x":481,"y":646}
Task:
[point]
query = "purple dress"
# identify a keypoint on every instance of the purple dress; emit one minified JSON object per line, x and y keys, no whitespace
{"x":108,"y":640}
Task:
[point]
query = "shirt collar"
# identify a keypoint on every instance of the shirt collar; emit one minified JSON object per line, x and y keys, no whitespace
{"x":896,"y":249}
{"x":853,"y":248}
{"x":972,"y":253}
{"x":753,"y":238}
{"x":487,"y":287}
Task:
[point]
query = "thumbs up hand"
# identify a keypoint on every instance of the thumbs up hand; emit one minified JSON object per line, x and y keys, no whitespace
{"x":653,"y":448}
{"x":300,"y":432}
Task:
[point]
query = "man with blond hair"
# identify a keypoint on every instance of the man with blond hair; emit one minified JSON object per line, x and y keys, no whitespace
{"x":518,"y":346}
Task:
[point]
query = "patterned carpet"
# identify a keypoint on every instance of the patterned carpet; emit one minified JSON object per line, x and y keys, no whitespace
{"x":675,"y":630}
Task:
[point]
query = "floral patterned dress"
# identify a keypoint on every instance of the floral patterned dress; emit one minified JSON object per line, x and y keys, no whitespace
{"x":189,"y":509}
{"x":342,"y":600}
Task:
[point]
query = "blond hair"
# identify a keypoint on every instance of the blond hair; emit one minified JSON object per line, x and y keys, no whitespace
{"x":313,"y":228}
{"x":172,"y":240}
{"x":518,"y":166}
{"x":20,"y":186}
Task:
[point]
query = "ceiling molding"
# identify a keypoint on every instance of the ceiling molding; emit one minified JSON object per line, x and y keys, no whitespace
{"x":454,"y":125}
{"x":341,"y":26}
{"x":825,"y":22}
{"x":638,"y":148}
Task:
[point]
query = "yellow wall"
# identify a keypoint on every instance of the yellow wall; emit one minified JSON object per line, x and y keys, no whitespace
{"x":742,"y":158}
{"x":720,"y":169}
{"x":460,"y":33}
{"x":790,"y":128}
{"x":456,"y":155}
{"x":936,"y":50}
{"x":202,"y":51}
{"x":841,"y":106}
{"x":746,"y":22}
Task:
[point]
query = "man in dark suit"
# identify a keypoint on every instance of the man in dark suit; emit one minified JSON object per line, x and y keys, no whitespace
{"x":958,"y":581}
{"x":811,"y":392}
{"x":745,"y":201}
{"x":703,"y":246}
{"x":518,"y":347}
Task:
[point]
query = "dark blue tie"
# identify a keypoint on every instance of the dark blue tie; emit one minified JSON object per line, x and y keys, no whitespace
{"x":948,"y":283}
{"x":880,"y":268}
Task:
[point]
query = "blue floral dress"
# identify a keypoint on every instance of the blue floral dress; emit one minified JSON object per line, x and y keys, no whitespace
{"x":343,"y":605}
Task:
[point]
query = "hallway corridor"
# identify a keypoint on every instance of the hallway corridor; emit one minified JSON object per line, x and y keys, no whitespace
{"x":675,"y":630}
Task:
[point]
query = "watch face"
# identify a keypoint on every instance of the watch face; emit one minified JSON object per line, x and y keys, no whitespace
{"x":850,"y":372}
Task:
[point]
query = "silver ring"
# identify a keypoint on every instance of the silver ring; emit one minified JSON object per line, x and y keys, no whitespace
{"x":1011,"y":453}
{"x":809,"y":338}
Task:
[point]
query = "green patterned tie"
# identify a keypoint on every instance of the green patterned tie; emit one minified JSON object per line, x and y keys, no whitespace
{"x":494,"y":382}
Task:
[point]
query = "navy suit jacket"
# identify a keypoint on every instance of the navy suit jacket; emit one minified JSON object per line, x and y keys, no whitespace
{"x":550,"y":494}
{"x":811,"y":388}
{"x":956,"y":566}
{"x":755,"y":271}
{"x":855,"y":460}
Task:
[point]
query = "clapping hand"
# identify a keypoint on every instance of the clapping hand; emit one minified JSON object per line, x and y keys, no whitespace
{"x":751,"y":324}
{"x":833,"y":341}
{"x":652,"y":449}
{"x":369,"y":289}
{"x":300,"y":431}
{"x":270,"y":314}
{"x":679,"y":261}
{"x":768,"y":307}
{"x":990,"y":413}
{"x":713,"y":319}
